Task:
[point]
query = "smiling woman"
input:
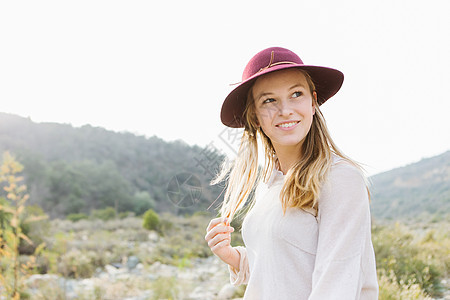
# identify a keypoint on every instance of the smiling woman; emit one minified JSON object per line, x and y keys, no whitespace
{"x":284,"y":108}
{"x":307,"y":233}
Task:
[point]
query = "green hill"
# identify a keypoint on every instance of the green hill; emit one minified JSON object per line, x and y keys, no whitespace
{"x":420,"y":189}
{"x":72,"y":170}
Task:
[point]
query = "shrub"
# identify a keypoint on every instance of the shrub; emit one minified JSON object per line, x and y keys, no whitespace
{"x":104,"y":214}
{"x":77,"y":217}
{"x":142,"y":201}
{"x":77,"y":264}
{"x":391,"y":289}
{"x":151,"y":220}
{"x":125,"y":214}
{"x":34,"y":230}
{"x":13,"y":217}
{"x":398,"y":252}
{"x":165,"y":288}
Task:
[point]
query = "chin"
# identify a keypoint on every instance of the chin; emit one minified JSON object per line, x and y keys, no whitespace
{"x":289,"y":143}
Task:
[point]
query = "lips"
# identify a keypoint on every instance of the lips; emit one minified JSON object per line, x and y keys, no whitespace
{"x":288,"y":124}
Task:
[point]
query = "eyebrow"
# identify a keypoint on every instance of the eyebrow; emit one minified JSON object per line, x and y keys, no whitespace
{"x":263,"y":95}
{"x":270,"y":93}
{"x":296,"y":85}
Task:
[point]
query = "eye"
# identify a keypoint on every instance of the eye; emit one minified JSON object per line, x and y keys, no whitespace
{"x":269,"y":100}
{"x":297,"y":94}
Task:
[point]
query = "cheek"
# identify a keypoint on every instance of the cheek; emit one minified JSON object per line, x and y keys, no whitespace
{"x":263,"y":119}
{"x":308,"y":110}
{"x":266,"y":114}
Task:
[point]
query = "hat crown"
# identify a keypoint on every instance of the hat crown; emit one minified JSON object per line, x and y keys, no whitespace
{"x":267,"y":58}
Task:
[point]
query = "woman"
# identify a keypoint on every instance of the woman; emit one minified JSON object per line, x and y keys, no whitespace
{"x":307,"y":231}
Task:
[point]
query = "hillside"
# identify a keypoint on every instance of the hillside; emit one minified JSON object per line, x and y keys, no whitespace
{"x":70,"y":170}
{"x":417,"y":190}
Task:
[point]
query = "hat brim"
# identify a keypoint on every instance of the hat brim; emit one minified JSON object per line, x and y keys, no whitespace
{"x":327,"y":81}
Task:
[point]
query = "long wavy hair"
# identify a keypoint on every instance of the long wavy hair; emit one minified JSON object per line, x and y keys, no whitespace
{"x":304,"y":179}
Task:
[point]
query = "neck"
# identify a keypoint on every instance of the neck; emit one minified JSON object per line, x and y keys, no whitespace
{"x":287,"y":157}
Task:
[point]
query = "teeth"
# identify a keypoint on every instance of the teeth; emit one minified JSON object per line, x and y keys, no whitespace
{"x":286,"y":125}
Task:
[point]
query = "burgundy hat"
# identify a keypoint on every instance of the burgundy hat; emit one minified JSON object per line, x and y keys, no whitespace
{"x":327,"y":81}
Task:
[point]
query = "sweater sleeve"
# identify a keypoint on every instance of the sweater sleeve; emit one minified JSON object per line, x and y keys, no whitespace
{"x":241,"y":277}
{"x":344,"y":227}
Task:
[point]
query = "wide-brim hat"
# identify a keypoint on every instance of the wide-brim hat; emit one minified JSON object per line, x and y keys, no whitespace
{"x":327,"y":81}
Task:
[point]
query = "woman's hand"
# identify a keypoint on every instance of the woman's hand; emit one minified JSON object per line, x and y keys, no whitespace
{"x":218,"y":237}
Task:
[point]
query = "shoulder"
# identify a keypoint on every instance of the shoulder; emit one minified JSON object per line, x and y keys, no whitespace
{"x":345,"y":184}
{"x":344,"y":172}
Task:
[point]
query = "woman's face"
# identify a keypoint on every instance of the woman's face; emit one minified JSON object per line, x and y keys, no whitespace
{"x":284,"y":107}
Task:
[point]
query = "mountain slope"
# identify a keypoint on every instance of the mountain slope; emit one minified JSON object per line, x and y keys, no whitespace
{"x":422,"y":188}
{"x":70,"y":169}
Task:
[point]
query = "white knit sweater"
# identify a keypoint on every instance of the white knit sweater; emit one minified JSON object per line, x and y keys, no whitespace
{"x":301,"y":256}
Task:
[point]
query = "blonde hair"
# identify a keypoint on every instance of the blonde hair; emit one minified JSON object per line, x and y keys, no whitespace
{"x":304,"y":179}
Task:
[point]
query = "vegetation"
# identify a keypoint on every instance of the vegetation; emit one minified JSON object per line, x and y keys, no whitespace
{"x":76,"y":170}
{"x":104,"y":191}
{"x":151,"y":220}
{"x":412,"y":262}
{"x":13,"y":220}
{"x":418,"y":191}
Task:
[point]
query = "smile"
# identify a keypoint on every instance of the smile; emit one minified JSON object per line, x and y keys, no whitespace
{"x":287,"y":125}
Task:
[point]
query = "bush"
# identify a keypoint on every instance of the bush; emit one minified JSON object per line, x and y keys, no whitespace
{"x":165,"y":288}
{"x":77,"y":264}
{"x":142,"y":201}
{"x":34,"y":230}
{"x":77,"y":217}
{"x":125,"y":214}
{"x":404,"y":257}
{"x":151,"y":220}
{"x":104,"y":214}
{"x":391,"y":289}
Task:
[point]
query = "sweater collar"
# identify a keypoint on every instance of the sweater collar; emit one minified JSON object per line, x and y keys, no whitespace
{"x":276,"y":176}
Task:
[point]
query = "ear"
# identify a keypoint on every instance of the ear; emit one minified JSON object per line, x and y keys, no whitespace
{"x":313,"y":104}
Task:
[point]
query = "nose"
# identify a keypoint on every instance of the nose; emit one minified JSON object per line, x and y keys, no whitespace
{"x":284,"y":108}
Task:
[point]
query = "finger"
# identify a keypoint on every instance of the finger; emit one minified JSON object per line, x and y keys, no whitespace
{"x":217,"y":230}
{"x":219,"y":245}
{"x":213,"y":232}
{"x":215,"y":222}
{"x":218,"y":238}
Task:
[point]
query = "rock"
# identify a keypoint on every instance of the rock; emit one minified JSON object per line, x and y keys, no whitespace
{"x":153,"y":236}
{"x":124,"y":276}
{"x":35,"y":280}
{"x":68,"y":286}
{"x":111,"y":270}
{"x":163,"y":270}
{"x":152,"y":277}
{"x":155,"y":266}
{"x":103,"y":275}
{"x":226,"y":292}
{"x":86,"y":284}
{"x":116,"y":265}
{"x":200,"y":293}
{"x":132,"y":262}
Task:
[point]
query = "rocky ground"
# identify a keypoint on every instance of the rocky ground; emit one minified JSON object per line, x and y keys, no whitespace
{"x":206,"y":278}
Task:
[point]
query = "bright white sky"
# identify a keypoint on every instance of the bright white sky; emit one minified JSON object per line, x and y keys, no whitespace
{"x":163,"y":67}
